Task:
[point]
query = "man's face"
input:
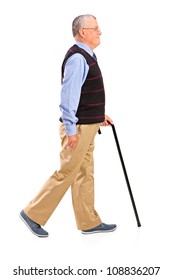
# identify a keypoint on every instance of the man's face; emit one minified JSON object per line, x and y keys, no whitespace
{"x":91,"y":33}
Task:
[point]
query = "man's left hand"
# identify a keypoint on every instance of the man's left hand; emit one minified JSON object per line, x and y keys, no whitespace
{"x":107,"y":121}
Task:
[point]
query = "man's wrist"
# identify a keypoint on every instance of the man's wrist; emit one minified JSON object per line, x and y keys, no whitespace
{"x":70,"y":129}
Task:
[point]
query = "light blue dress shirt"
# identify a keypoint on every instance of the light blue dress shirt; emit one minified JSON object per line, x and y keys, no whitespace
{"x":75,"y":73}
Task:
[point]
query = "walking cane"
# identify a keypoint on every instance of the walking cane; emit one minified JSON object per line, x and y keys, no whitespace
{"x":125,"y":174}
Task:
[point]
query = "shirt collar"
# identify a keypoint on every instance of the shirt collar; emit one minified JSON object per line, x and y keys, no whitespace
{"x":85,"y":47}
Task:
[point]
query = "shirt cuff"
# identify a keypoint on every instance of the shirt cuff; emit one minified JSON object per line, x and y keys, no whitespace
{"x":70,"y":129}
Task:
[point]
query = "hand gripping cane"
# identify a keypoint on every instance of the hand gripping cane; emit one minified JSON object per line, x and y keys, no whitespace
{"x":125,"y":174}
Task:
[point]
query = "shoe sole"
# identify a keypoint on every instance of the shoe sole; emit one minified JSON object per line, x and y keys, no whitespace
{"x":98,"y":231}
{"x":31,"y":229}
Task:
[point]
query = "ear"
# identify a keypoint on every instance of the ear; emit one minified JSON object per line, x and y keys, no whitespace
{"x":82,"y":32}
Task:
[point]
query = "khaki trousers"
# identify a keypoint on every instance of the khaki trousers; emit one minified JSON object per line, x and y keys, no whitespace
{"x":77,"y":171}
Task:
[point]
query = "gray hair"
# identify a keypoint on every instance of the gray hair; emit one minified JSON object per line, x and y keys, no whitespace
{"x":79,"y":22}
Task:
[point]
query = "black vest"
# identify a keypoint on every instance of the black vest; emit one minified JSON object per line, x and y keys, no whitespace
{"x":91,"y":107}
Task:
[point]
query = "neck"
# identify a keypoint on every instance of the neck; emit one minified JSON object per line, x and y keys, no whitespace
{"x":82,"y":40}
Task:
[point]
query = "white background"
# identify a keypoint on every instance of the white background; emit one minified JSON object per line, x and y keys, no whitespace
{"x":136,"y":60}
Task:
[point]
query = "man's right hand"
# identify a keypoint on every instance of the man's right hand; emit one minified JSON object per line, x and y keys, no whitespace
{"x":72,"y":141}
